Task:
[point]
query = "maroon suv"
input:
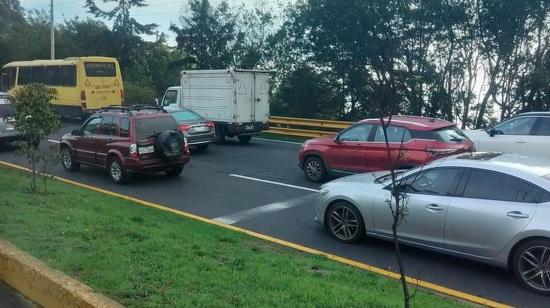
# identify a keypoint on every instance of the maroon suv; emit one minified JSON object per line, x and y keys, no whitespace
{"x":127,"y":140}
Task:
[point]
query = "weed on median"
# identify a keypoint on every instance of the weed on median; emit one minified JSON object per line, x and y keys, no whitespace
{"x":143,"y":257}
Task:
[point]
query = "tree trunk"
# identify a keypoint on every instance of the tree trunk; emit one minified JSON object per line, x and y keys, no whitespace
{"x":397,"y":248}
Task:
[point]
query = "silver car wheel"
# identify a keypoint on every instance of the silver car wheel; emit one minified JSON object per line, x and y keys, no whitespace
{"x":534,"y":267}
{"x":314,"y":169}
{"x":116,"y":171}
{"x":67,"y":160}
{"x":343,"y":223}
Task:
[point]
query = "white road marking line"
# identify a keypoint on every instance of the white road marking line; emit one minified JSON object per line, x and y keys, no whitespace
{"x":272,"y":182}
{"x":53,"y":141}
{"x":257,"y":211}
{"x":279,"y":141}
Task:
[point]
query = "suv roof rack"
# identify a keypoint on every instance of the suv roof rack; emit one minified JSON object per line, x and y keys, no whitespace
{"x":126,"y":109}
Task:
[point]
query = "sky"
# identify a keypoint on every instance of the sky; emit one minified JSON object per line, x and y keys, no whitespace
{"x":161,"y":12}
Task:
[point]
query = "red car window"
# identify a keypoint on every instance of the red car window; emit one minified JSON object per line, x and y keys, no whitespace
{"x":357,"y":133}
{"x":395,"y":134}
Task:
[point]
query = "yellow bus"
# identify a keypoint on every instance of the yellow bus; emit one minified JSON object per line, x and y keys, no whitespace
{"x":83,"y":84}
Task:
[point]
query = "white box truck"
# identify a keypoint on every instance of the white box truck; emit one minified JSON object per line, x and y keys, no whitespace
{"x":237,"y":101}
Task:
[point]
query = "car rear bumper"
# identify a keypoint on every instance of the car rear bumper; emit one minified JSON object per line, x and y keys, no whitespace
{"x":200,"y":139}
{"x":154,"y":165}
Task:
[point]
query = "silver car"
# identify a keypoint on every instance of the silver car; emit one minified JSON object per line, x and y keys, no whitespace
{"x":490,"y":207}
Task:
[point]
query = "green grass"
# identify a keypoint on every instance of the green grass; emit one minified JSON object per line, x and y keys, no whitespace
{"x":143,"y":257}
{"x":282,"y":137}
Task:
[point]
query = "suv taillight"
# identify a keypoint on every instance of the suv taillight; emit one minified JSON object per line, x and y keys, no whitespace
{"x":83,"y":99}
{"x":185,"y":145}
{"x":134,"y":151}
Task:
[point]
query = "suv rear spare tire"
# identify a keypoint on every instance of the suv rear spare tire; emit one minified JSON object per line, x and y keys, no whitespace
{"x":169,"y":144}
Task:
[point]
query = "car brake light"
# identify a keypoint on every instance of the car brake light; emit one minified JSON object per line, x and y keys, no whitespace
{"x":211,"y":124}
{"x":185,"y":127}
{"x":134,"y":151}
{"x":185,"y":145}
{"x":83,"y":99}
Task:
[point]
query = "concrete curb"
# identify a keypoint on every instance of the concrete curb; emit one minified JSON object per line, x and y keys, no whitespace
{"x":47,"y":287}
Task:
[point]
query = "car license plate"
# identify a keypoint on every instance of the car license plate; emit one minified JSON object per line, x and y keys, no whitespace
{"x":146,"y":150}
{"x":10,"y":128}
{"x":249,"y":127}
{"x":201,"y":129}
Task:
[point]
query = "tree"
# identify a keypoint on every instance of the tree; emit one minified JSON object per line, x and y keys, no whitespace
{"x":35,"y":117}
{"x":124,"y":26}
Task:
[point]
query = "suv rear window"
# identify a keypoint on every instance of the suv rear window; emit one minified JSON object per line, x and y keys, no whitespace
{"x":446,"y":134}
{"x":451,"y":134}
{"x":149,"y":127}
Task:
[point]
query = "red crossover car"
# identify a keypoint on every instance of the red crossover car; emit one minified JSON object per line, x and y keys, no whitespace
{"x":361,"y":147}
{"x":124,"y":140}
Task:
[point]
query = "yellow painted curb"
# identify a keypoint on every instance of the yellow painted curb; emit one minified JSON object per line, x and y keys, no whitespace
{"x":428,"y":285}
{"x":45,"y":286}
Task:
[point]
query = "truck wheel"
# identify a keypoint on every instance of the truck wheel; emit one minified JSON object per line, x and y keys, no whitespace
{"x":244,"y":139}
{"x":220,"y":134}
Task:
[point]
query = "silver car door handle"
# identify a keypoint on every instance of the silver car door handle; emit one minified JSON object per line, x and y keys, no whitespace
{"x":521,"y":141}
{"x":434,"y":207}
{"x":517,"y":214}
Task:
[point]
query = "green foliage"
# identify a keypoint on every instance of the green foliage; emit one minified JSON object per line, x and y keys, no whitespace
{"x":140,"y":93}
{"x":35,"y":117}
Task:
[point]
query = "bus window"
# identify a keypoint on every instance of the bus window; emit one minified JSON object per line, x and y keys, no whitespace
{"x":54,"y":76}
{"x":100,"y":69}
{"x":7,"y":79}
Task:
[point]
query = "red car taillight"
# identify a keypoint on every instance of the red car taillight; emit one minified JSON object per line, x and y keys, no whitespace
{"x":185,"y":127}
{"x":211,"y":124}
{"x":133,"y":151}
{"x":83,"y":99}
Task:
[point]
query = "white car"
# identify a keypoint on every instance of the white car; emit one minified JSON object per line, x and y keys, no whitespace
{"x":525,"y":134}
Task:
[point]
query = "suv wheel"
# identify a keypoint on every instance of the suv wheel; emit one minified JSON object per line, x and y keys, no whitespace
{"x":174,"y":171}
{"x":244,"y":139}
{"x":116,"y":171}
{"x":531,"y":265}
{"x":344,"y":222}
{"x":68,"y":161}
{"x":314,"y":169}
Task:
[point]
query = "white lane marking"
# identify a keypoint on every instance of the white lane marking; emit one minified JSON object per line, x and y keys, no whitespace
{"x":53,"y":141}
{"x":261,"y":210}
{"x":279,"y":141}
{"x":272,"y":182}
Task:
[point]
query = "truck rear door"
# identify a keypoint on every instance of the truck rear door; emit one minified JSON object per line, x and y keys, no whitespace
{"x":261,"y":97}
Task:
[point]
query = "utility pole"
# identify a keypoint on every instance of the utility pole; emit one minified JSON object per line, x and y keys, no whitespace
{"x":52,"y":32}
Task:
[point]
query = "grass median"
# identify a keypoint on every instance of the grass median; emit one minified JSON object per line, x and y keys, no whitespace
{"x":141,"y":256}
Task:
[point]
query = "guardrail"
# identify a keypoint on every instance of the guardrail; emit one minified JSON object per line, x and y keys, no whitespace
{"x":305,"y":127}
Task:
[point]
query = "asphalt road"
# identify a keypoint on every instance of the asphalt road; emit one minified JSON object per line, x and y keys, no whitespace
{"x":213,"y":185}
{"x":11,"y":299}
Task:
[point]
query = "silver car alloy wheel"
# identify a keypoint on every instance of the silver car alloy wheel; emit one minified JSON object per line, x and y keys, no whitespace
{"x":67,"y":159}
{"x":534,"y":267}
{"x":313,"y":169}
{"x":116,"y":171}
{"x":343,"y":222}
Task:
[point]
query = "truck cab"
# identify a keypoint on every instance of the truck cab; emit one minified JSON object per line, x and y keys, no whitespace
{"x":237,"y":101}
